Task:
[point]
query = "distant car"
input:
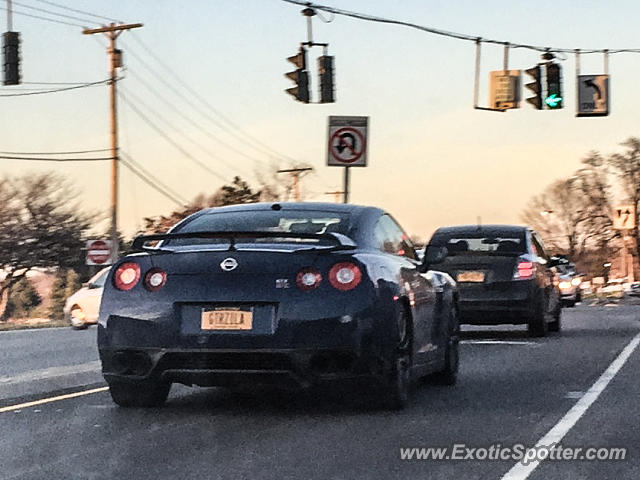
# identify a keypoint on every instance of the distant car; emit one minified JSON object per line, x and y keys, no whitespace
{"x":569,"y":282}
{"x":634,"y":289}
{"x":289,"y":294}
{"x":504,"y":276}
{"x":81,"y":309}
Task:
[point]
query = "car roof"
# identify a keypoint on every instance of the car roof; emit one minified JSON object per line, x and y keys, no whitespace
{"x":261,"y":206}
{"x":493,"y":229}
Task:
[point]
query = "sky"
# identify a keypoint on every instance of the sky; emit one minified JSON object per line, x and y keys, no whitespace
{"x":432,"y":159}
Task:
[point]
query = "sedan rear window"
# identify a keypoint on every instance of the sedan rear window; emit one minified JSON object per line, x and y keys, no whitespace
{"x":481,"y":244}
{"x":304,"y":222}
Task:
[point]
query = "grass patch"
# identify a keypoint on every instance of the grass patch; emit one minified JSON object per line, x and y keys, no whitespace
{"x":31,"y":323}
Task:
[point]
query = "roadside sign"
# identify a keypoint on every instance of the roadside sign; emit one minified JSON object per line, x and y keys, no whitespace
{"x":593,"y":96}
{"x":347,"y":141}
{"x":504,"y":89}
{"x":624,"y":217}
{"x":98,"y":252}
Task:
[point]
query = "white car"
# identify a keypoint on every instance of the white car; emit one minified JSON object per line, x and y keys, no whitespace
{"x":81,"y":309}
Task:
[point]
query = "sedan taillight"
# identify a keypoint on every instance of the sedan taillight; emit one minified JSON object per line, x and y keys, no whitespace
{"x":524,"y":271}
{"x":345,"y":276}
{"x":126,"y":276}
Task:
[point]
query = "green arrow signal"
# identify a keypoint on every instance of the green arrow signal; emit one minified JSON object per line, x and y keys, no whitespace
{"x":553,"y":101}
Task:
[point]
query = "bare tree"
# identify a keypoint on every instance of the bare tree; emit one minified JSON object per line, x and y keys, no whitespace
{"x":626,"y":167}
{"x":236,"y":192}
{"x":573,"y":214}
{"x":41,"y":225}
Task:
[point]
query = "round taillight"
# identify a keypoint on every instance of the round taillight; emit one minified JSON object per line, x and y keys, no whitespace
{"x":308,"y":279}
{"x":155,"y":279}
{"x":126,"y":276}
{"x":345,"y":276}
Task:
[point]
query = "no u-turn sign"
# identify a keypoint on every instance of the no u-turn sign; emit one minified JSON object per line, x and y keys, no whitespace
{"x":347,"y":141}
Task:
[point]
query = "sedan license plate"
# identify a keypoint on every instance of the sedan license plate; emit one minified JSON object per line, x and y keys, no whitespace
{"x":226,"y":319}
{"x":471,"y":277}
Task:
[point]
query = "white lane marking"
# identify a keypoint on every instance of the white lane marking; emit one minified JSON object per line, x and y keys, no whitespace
{"x":520,"y":471}
{"x":53,"y":399}
{"x":498,"y":342}
{"x":51,"y":372}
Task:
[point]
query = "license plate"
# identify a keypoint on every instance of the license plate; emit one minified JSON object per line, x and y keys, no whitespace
{"x":226,"y":319}
{"x":472,"y":277}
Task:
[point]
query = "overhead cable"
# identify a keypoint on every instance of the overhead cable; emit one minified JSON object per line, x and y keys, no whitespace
{"x":459,"y":36}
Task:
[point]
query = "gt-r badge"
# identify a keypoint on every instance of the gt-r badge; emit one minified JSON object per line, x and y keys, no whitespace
{"x":228,"y":264}
{"x":282,"y":283}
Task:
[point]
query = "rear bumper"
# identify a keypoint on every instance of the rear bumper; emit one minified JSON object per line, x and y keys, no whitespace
{"x":507,"y":303}
{"x":238,"y":368}
{"x":298,"y":353}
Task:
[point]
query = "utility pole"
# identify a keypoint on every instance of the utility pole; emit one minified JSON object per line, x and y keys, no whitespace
{"x":112,"y":32}
{"x":295,"y":176}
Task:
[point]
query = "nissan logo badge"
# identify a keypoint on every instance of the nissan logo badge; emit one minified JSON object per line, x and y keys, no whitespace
{"x":229,"y":264}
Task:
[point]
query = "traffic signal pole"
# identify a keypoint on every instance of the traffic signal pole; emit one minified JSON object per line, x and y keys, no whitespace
{"x":112,"y":32}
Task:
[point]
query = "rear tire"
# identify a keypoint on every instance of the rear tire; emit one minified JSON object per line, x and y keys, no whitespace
{"x":139,"y":395}
{"x":449,"y":374}
{"x":396,"y":395}
{"x":556,"y":325}
{"x":538,"y":322}
{"x":398,"y":381}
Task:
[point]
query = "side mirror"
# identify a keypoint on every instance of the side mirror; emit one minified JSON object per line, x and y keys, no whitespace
{"x":434,"y":255}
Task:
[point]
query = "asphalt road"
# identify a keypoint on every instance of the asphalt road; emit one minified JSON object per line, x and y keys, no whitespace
{"x":512,"y":390}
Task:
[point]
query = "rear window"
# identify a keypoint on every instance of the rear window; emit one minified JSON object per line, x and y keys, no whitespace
{"x":478,"y":243}
{"x":304,"y":222}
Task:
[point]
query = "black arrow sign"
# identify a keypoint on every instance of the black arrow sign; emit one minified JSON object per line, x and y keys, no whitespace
{"x":342,"y":144}
{"x":590,"y":83}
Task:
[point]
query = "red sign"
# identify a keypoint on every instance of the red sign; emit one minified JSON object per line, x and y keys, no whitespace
{"x":347,"y":145}
{"x":98,"y":252}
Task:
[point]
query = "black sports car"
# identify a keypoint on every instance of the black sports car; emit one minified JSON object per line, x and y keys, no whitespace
{"x":504,"y":275}
{"x":293,"y":294}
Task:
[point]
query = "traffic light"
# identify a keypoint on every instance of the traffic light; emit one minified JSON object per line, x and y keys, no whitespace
{"x":11,"y":50}
{"x":299,"y":76}
{"x":535,"y":86}
{"x":325,"y":72}
{"x":554,"y":87}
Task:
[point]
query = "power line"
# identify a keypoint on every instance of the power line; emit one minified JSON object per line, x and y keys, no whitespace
{"x":193,"y":105}
{"x":459,"y":36}
{"x":56,"y":90}
{"x":10,"y":157}
{"x":51,"y":12}
{"x":242,"y":136}
{"x":152,"y":177}
{"x":54,"y":83}
{"x":164,"y":135}
{"x":149,"y":182}
{"x":76,"y":11}
{"x":56,"y":153}
{"x":155,"y":114}
{"x":43,"y":18}
{"x":197,"y":125}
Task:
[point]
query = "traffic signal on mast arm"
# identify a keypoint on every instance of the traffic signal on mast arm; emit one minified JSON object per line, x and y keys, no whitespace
{"x":535,"y":86}
{"x":299,"y":76}
{"x":11,"y":54}
{"x":554,"y":87}
{"x":325,"y":72}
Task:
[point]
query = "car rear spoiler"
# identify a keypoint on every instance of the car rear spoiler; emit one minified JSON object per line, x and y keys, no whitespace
{"x":339,"y":241}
